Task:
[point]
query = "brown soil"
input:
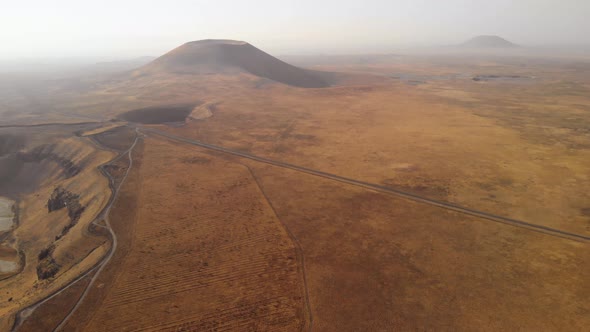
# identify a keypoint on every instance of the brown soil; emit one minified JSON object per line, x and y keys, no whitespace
{"x":206,"y":252}
{"x":6,"y":252}
{"x":47,"y":316}
{"x":378,"y":263}
{"x":372,"y":261}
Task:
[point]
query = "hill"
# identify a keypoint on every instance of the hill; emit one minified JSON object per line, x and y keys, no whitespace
{"x":230,"y":56}
{"x":488,"y":42}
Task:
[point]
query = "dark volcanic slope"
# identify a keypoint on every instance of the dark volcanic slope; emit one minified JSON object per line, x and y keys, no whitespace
{"x":488,"y":42}
{"x":229,"y":56}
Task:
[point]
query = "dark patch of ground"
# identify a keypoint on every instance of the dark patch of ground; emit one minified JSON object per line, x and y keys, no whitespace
{"x":159,"y":114}
{"x":61,"y":198}
{"x":304,"y":137}
{"x":10,"y":144}
{"x":44,"y":152}
{"x":425,"y":187}
{"x":47,"y":267}
{"x":120,"y":138}
{"x":195,"y":160}
{"x":18,"y":176}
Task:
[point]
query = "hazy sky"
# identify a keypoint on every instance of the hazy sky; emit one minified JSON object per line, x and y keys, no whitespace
{"x":61,"y":28}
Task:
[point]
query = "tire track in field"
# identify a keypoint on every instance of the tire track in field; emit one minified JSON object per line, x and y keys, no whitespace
{"x":298,"y":248}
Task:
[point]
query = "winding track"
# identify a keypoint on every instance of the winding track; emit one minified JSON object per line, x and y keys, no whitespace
{"x":22,"y":314}
{"x":445,"y":205}
{"x":104,"y":215}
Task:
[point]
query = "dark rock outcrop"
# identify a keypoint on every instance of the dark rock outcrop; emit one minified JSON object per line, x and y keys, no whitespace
{"x":61,"y":198}
{"x":47,"y":266}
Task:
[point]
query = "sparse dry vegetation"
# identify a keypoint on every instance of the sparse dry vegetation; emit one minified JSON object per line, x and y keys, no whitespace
{"x":212,"y":241}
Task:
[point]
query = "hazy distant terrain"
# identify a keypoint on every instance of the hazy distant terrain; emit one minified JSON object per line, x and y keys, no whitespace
{"x":218,"y":188}
{"x":488,"y":42}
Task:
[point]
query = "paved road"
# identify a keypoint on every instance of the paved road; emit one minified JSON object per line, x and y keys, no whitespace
{"x":403,"y":194}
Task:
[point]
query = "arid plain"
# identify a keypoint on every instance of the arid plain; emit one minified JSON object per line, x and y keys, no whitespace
{"x":364,"y":193}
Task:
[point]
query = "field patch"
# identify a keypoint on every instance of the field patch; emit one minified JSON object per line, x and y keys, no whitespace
{"x":207,"y":252}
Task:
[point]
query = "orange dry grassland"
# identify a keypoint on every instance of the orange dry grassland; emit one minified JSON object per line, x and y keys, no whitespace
{"x":516,"y":149}
{"x":214,"y":245}
{"x":200,"y":249}
{"x":209,"y":241}
{"x":375,"y":262}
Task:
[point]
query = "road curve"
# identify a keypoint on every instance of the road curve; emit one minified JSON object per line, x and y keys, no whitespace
{"x":105,"y":215}
{"x":23,"y":313}
{"x":442,"y":204}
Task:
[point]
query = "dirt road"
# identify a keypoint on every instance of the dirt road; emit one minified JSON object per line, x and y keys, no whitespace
{"x":24,"y":313}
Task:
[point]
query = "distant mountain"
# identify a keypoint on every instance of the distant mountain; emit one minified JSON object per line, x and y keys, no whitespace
{"x":230,"y":56}
{"x":488,"y":42}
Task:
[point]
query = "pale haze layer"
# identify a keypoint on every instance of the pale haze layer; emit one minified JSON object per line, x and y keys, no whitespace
{"x":64,"y":28}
